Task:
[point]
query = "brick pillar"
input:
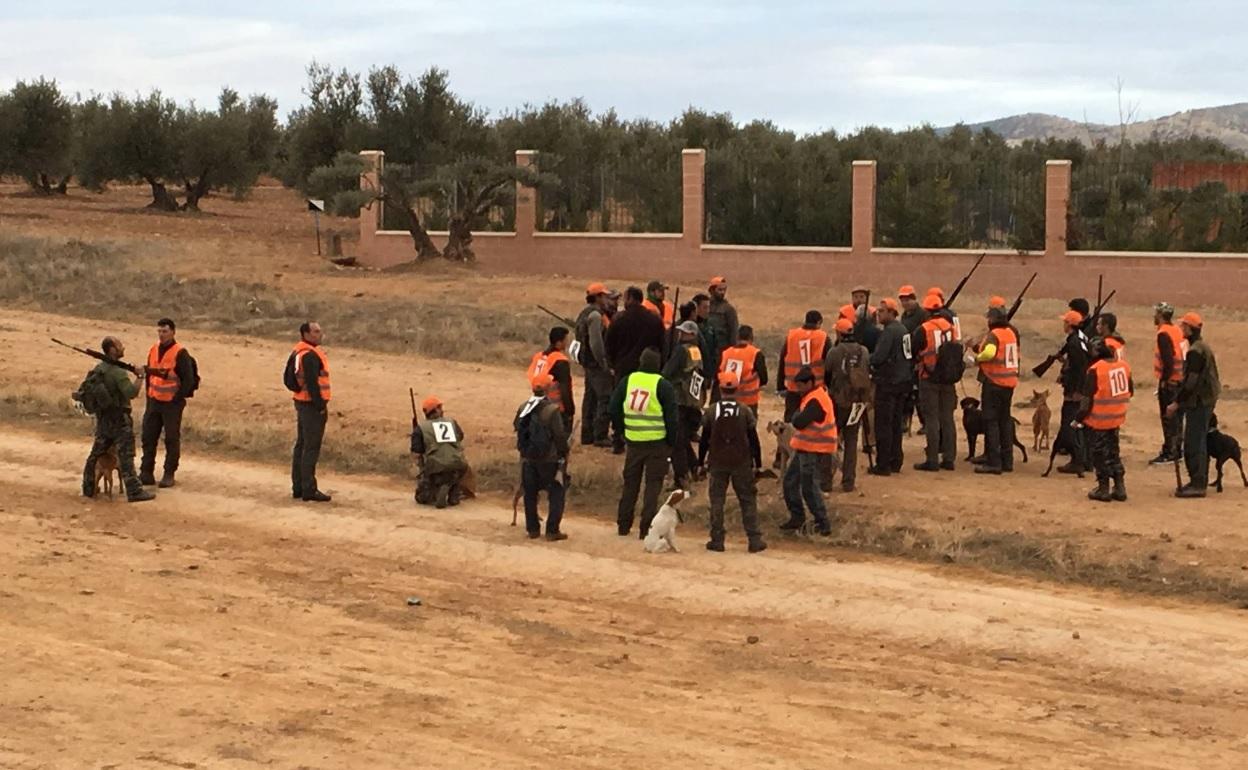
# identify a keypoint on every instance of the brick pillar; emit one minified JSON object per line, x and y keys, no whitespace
{"x":370,"y":218}
{"x":1056,"y":204}
{"x":863,"y":209}
{"x":693,"y":197}
{"x":526,"y":198}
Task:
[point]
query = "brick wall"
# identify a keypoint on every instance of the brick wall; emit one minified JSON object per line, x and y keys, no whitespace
{"x":1139,"y":277}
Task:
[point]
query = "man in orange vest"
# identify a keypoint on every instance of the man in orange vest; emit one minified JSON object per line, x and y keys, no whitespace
{"x":805,"y":346}
{"x":749,"y":364}
{"x":1169,"y":352}
{"x":171,"y":379}
{"x":656,"y":302}
{"x":815,"y":438}
{"x":1107,"y":394}
{"x":999,"y":360}
{"x":937,"y":400}
{"x":1107,"y":330}
{"x":555,"y":362}
{"x":307,"y":377}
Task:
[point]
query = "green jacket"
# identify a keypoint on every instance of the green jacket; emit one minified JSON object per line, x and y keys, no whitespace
{"x":122,"y":388}
{"x":1201,"y":385}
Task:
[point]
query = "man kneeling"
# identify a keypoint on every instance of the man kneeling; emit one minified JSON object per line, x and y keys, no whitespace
{"x":437,"y":443}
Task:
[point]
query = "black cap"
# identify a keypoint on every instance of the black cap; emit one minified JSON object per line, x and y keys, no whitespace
{"x":805,"y":375}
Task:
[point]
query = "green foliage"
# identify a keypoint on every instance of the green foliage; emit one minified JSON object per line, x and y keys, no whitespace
{"x":36,"y":135}
{"x":330,"y":123}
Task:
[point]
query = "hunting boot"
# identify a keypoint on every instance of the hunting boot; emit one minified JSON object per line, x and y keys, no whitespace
{"x":166,"y":480}
{"x":442,"y":496}
{"x":715,"y":545}
{"x":1120,"y":489}
{"x":141,"y":496}
{"x":756,"y":545}
{"x":147,"y":478}
{"x":1101,"y":493}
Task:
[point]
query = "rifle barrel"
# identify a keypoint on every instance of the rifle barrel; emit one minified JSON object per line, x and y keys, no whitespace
{"x":962,"y":283}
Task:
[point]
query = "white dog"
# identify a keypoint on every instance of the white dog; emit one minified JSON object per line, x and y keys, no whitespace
{"x":662,"y":534}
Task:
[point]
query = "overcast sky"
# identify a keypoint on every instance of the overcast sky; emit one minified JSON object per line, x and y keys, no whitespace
{"x":804,"y":65}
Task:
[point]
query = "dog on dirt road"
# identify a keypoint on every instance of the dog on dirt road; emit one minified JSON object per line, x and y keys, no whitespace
{"x":1040,"y":419}
{"x":1222,"y":448}
{"x":662,"y":534}
{"x":105,"y":467}
{"x":973,"y":427}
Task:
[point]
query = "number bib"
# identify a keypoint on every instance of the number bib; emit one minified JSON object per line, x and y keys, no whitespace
{"x":574,"y":350}
{"x":695,"y":385}
{"x":530,"y":405}
{"x":855,"y":412}
{"x":444,"y":431}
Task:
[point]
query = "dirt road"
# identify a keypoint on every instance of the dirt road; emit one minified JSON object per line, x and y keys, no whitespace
{"x":226,"y":626}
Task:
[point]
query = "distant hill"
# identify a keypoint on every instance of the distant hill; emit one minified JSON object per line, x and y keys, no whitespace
{"x":1228,"y":124}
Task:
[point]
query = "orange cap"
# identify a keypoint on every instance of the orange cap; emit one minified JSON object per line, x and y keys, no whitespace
{"x":844,"y":325}
{"x":429,"y":404}
{"x":932,"y":302}
{"x":907,"y":291}
{"x":888,"y":303}
{"x":1072,"y":317}
{"x":996,"y":302}
{"x":939,"y":292}
{"x":541,"y":381}
{"x":596,"y":288}
{"x":719,"y":280}
{"x":1193,"y":320}
{"x":846,"y":311}
{"x":729,"y":380}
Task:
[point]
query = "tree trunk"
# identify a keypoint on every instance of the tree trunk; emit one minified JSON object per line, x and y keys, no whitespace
{"x":195,"y":192}
{"x":40,"y":184}
{"x":62,"y":187}
{"x":459,"y":240}
{"x":420,"y":236}
{"x":161,"y":199}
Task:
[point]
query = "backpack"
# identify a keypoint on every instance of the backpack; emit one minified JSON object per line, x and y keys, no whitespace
{"x":94,"y":393}
{"x":194,"y":386}
{"x":950,"y":363}
{"x":855,"y":366}
{"x":288,"y":376}
{"x":730,"y":442}
{"x":533,"y":437}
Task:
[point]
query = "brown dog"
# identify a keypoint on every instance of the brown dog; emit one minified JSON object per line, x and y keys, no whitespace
{"x":783,"y":432}
{"x":1040,"y":419}
{"x":105,"y":467}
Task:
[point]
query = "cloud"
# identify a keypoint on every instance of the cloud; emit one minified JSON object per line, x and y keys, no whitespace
{"x":804,"y":65}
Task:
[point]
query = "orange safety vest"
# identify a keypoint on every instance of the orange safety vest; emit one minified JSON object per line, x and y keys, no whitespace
{"x":668,"y":313}
{"x":163,"y":388}
{"x":1179,"y":343}
{"x":804,"y":347}
{"x":322,"y":381}
{"x":1002,"y":370}
{"x":1116,"y":346}
{"x":542,"y":363}
{"x":1113,"y":394}
{"x":820,"y":437}
{"x":937,"y":331}
{"x":739,"y":359}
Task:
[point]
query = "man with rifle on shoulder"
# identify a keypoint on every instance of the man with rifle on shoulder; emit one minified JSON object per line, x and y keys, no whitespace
{"x":106,"y":393}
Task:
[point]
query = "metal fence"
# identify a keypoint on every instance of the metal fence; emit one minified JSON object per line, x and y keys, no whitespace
{"x":1141,"y":204}
{"x":624,"y":195}
{"x":776,"y":199}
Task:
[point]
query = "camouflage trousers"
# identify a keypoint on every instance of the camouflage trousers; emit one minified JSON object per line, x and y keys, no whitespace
{"x":428,"y":483}
{"x":1106,"y":457}
{"x":113,"y":430}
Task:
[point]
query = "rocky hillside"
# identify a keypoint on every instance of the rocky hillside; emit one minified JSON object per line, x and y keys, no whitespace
{"x":1228,"y":124}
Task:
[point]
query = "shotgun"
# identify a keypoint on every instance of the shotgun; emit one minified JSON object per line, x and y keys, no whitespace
{"x":962,"y":283}
{"x":146,"y":370}
{"x":557,"y":317}
{"x":1018,"y":303}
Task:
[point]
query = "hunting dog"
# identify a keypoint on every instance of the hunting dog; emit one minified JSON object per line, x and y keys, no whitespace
{"x":662,"y":534}
{"x":783,"y":432}
{"x":105,"y":467}
{"x":973,"y":426}
{"x":1222,"y":448}
{"x":1040,"y":419}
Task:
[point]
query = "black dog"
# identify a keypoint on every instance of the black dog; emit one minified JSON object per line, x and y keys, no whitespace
{"x":1062,"y":445}
{"x":1222,"y":448}
{"x":973,"y":427}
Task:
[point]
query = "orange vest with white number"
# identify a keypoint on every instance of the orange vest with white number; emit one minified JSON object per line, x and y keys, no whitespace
{"x":936,"y":332}
{"x":1113,"y":395}
{"x":163,"y":388}
{"x":818,"y":437}
{"x":804,"y":347}
{"x":322,"y":381}
{"x":1178,"y":343}
{"x":1116,"y":346}
{"x":542,"y":363}
{"x":1002,"y":370}
{"x":739,"y":359}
